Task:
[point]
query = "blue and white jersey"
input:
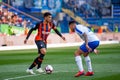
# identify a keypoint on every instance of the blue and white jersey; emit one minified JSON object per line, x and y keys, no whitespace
{"x":80,"y":30}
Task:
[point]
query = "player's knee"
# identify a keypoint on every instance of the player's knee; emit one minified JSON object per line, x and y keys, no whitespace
{"x":85,"y":54}
{"x":43,"y":51}
{"x":76,"y":53}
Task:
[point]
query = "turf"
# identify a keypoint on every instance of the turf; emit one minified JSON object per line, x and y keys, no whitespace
{"x":106,"y":64}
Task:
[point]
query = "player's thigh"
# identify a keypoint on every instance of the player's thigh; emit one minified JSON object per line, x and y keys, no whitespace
{"x":83,"y":48}
{"x":41,"y":47}
{"x":78,"y":52}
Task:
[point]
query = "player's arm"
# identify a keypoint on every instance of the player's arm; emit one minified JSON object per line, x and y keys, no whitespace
{"x":30,"y":31}
{"x":58,"y":33}
{"x":85,"y":38}
{"x":86,"y":42}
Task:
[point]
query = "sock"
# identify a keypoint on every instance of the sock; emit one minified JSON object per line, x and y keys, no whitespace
{"x":34,"y":63}
{"x":40,"y":59}
{"x":79,"y":63}
{"x":88,"y":63}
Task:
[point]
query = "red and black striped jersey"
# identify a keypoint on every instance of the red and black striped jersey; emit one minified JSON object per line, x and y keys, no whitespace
{"x":43,"y":30}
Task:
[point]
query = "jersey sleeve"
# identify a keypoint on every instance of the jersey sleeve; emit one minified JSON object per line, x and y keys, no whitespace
{"x":31,"y":30}
{"x":53,"y":26}
{"x":36,"y":26}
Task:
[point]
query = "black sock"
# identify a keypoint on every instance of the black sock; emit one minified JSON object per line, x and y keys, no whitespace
{"x":34,"y":63}
{"x":40,"y":59}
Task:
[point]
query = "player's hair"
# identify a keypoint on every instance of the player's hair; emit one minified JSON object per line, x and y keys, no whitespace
{"x":47,"y":14}
{"x":71,"y":22}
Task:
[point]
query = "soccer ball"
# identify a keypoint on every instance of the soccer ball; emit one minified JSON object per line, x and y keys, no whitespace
{"x":49,"y":69}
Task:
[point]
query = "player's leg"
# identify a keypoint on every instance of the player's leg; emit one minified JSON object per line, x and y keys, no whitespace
{"x":78,"y":60}
{"x":41,"y":48}
{"x":92,"y":45}
{"x":38,"y":62}
{"x":89,"y":65}
{"x":42,"y":52}
{"x":83,"y":50}
{"x":40,"y":59}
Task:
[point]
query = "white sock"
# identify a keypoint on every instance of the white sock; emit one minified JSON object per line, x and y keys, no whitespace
{"x":88,"y":63}
{"x":79,"y":63}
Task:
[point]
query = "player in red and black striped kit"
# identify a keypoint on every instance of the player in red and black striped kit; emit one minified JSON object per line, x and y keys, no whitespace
{"x":44,"y":28}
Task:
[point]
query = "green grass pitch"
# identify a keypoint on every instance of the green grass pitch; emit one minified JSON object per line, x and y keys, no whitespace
{"x":106,"y":64}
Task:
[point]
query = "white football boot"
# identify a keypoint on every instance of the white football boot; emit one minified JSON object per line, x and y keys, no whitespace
{"x":30,"y":71}
{"x":40,"y":70}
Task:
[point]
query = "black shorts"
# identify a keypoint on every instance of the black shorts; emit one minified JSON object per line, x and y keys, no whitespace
{"x":40,"y":44}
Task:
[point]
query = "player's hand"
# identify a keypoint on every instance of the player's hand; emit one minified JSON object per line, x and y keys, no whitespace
{"x":96,"y":51}
{"x":88,"y":48}
{"x":63,"y":38}
{"x":25,"y":41}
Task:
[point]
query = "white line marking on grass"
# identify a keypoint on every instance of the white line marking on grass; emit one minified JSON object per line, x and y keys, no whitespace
{"x":23,"y":76}
{"x":19,"y":77}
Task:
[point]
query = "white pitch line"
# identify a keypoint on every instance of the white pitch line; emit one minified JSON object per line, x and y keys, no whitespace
{"x":19,"y":77}
{"x":23,"y":76}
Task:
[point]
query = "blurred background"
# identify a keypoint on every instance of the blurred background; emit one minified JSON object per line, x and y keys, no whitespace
{"x":18,"y":16}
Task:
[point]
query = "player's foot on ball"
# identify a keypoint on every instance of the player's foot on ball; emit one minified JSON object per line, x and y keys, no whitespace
{"x":30,"y":71}
{"x":40,"y":70}
{"x":80,"y":73}
{"x":89,"y":73}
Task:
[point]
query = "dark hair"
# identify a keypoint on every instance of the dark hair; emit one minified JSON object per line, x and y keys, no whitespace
{"x":47,"y":14}
{"x":71,"y":22}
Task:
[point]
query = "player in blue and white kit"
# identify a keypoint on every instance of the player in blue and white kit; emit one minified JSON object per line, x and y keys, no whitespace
{"x":90,"y":45}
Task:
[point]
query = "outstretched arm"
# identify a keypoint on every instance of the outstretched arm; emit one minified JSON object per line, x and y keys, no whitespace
{"x":30,"y":31}
{"x":28,"y":35}
{"x":59,"y":34}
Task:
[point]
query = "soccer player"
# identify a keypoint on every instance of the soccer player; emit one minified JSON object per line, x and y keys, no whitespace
{"x":44,"y":28}
{"x":90,"y":45}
